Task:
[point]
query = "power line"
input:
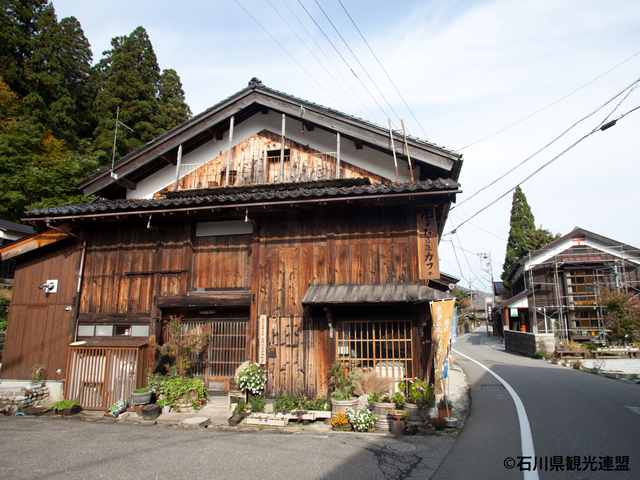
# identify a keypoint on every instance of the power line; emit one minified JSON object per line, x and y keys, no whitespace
{"x":630,"y":87}
{"x":362,"y":66}
{"x":383,"y":69}
{"x":286,"y":51}
{"x":598,"y":128}
{"x":343,"y":59}
{"x":314,"y":56}
{"x":550,"y":105}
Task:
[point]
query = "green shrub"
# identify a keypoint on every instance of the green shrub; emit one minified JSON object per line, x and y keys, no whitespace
{"x":176,"y":387}
{"x":256,"y":403}
{"x":62,"y":404}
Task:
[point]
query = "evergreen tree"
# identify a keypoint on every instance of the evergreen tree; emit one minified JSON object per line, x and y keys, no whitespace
{"x":129,"y":77}
{"x":150,"y":103}
{"x":173,"y":108}
{"x":18,"y":19}
{"x":524,"y":237}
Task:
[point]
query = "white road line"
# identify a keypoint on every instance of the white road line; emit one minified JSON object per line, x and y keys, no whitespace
{"x":526,"y":439}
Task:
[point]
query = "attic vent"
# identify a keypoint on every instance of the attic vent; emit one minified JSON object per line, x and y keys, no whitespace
{"x":274,"y":155}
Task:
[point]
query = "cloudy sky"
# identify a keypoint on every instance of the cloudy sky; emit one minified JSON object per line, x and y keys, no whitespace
{"x":495,"y":80}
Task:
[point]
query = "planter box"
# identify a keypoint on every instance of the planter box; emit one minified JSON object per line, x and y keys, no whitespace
{"x":611,"y":375}
{"x":596,"y":370}
{"x":268,"y":420}
{"x":69,"y":411}
{"x":321,"y":414}
{"x":307,"y":415}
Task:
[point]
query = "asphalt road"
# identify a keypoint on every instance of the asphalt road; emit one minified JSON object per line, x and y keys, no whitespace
{"x":585,"y":421}
{"x":48,"y":448}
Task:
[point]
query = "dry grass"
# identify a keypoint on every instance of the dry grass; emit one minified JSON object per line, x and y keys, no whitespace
{"x":371,"y":382}
{"x":5,"y":294}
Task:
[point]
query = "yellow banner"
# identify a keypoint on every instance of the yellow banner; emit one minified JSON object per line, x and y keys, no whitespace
{"x":441,"y":314}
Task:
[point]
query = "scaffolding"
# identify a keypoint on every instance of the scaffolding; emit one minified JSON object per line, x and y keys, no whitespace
{"x":564,"y":308}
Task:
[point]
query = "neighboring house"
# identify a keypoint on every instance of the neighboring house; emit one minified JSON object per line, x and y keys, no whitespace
{"x":555,"y":289}
{"x":9,"y":233}
{"x":305,"y":245}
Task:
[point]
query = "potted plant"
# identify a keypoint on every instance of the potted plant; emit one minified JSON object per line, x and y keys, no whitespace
{"x":444,"y":407}
{"x":251,"y":380}
{"x":185,"y":394}
{"x":340,"y":422}
{"x":164,"y":405}
{"x":438,"y":423}
{"x":382,"y":405}
{"x":362,"y":420}
{"x":66,"y":407}
{"x":141,"y":396}
{"x":150,"y":412}
{"x":239,"y":413}
{"x":577,"y":364}
{"x":419,"y":398}
{"x":341,"y":385}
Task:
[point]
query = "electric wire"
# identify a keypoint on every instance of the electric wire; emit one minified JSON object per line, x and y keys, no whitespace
{"x":595,"y":130}
{"x":286,"y":51}
{"x":550,"y":105}
{"x":630,"y":87}
{"x":316,"y":58}
{"x":385,"y":72}
{"x":363,"y":68}
{"x":343,"y":59}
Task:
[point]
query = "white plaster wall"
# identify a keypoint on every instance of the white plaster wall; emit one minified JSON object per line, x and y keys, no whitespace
{"x":320,"y":140}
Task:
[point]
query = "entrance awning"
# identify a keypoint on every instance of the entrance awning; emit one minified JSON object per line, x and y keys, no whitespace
{"x":363,"y":294}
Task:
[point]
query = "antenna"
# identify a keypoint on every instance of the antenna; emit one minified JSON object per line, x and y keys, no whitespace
{"x":115,"y":135}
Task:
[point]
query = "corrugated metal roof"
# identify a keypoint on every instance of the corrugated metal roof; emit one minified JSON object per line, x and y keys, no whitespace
{"x":359,"y":294}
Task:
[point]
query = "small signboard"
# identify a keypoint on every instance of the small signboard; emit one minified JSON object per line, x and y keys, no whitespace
{"x":428,"y":267}
{"x":513,"y":312}
{"x":262,"y":351}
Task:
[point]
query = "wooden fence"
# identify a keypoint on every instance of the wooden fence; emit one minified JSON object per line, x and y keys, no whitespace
{"x":97,"y":377}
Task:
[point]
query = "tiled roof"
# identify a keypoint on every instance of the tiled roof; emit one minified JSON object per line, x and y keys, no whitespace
{"x":267,"y":195}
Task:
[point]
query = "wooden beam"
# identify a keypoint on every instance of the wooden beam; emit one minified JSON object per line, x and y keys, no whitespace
{"x":308,"y":125}
{"x":196,"y":301}
{"x":123,"y":182}
{"x":359,"y":144}
{"x":34,"y":242}
{"x":169,"y":158}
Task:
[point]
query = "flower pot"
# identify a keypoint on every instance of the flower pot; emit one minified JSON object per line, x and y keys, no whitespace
{"x":150,"y":412}
{"x":141,"y":398}
{"x":443,"y":413}
{"x":342,"y":405}
{"x":342,"y":428}
{"x":451,"y":422}
{"x":166,"y":408}
{"x":382,"y":411}
{"x":413,"y":411}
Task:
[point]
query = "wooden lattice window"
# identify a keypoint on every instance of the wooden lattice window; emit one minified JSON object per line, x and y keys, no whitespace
{"x":226,"y":348}
{"x":384,"y":346}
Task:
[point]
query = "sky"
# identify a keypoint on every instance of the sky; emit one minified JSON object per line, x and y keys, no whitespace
{"x":498,"y":81}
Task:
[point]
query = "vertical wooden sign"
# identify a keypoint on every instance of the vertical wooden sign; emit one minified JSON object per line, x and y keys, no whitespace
{"x":428,"y":267}
{"x":262,"y":342}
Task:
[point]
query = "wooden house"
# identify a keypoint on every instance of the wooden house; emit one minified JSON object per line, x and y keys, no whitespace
{"x":294,"y":233}
{"x":555,"y":288}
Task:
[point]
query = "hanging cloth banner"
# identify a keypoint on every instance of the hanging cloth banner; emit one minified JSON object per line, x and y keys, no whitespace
{"x":454,"y":325}
{"x":441,"y":314}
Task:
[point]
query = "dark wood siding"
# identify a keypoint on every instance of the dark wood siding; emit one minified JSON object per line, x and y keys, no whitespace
{"x":38,"y":327}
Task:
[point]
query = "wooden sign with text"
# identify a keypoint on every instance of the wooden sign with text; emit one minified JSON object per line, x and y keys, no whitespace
{"x":262,"y":340}
{"x":428,"y":267}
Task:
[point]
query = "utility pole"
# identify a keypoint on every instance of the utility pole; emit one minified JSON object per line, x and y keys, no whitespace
{"x":487,"y":266}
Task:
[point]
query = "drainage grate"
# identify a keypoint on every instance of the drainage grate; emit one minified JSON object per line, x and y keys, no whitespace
{"x":493,"y":387}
